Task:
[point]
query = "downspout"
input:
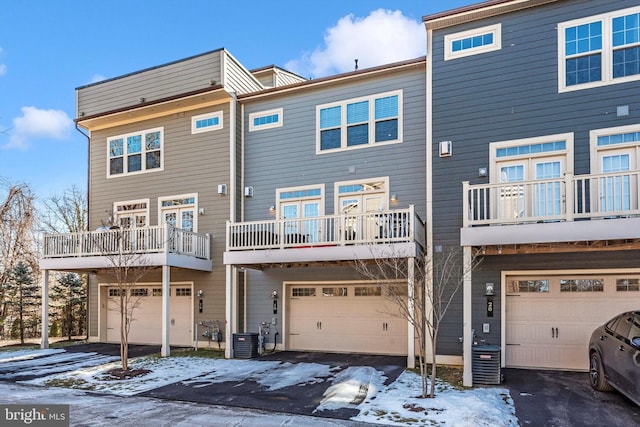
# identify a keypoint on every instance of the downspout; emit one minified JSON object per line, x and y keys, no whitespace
{"x":88,"y":202}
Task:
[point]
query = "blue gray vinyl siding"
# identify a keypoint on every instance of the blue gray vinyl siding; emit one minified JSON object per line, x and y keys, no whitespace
{"x":286,"y":156}
{"x":509,"y":94}
{"x":155,"y":83}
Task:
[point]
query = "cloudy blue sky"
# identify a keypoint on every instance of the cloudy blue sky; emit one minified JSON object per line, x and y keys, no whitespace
{"x":48,"y":48}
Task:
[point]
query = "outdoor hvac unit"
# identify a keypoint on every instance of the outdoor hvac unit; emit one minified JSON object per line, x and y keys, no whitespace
{"x":486,"y":364}
{"x":245,"y":346}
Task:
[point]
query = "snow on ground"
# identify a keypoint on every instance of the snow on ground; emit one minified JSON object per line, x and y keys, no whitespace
{"x":11,"y":356}
{"x":357,"y":387}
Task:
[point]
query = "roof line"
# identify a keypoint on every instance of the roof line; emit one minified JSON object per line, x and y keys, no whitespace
{"x":347,"y":75}
{"x":149,"y":69}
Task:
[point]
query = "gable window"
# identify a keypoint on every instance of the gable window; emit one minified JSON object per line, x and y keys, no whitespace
{"x":473,"y":42}
{"x":206,"y":122}
{"x":359,"y":122}
{"x":134,"y":153}
{"x":599,"y":50}
{"x":265,"y":120}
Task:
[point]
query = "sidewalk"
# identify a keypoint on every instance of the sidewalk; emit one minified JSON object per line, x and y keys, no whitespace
{"x":98,"y":410}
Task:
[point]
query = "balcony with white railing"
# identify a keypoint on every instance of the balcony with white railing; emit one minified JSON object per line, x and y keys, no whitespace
{"x":568,"y":209}
{"x":155,"y":246}
{"x":399,"y":232}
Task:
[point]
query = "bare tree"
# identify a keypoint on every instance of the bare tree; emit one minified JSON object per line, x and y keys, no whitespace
{"x":423,"y":291}
{"x":125,"y":250}
{"x":68,"y":213}
{"x":17,"y":232}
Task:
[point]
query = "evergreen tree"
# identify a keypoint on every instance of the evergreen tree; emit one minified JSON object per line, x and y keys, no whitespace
{"x":70,"y":293}
{"x":22,"y":294}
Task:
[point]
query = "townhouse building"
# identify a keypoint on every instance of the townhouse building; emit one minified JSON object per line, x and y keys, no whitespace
{"x":533,"y":129}
{"x":254,"y":193}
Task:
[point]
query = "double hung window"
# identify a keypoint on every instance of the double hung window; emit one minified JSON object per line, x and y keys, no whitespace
{"x":359,"y":122}
{"x":135,"y":152}
{"x":599,"y":50}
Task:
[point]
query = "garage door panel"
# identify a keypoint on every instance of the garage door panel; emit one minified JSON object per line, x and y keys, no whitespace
{"x":332,"y":321}
{"x":551,"y":329}
{"x":146,"y":326}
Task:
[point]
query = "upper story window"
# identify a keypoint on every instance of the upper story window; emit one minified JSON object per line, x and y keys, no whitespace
{"x":265,"y":120}
{"x":206,"y":122}
{"x":472,"y":42}
{"x":599,"y":50}
{"x":134,"y":153}
{"x":359,"y":122}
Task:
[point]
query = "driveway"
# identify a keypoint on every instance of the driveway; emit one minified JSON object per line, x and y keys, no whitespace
{"x":566,"y":399}
{"x":293,"y":400}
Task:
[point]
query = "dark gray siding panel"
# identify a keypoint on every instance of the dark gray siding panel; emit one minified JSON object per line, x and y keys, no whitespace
{"x":286,"y":156}
{"x":151,"y":84}
{"x":510,"y":94}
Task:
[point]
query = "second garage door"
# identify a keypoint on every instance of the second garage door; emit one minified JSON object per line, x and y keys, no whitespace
{"x":549,"y":319}
{"x":353,"y":318}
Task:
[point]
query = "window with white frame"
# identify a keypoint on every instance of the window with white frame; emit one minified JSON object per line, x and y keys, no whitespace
{"x":136,"y":152}
{"x":599,"y":50}
{"x":532,"y":170}
{"x":359,"y":122}
{"x":179,"y":211}
{"x":206,"y":122}
{"x":473,"y":42}
{"x":266,"y":119}
{"x":131,"y":214}
{"x":615,"y":154}
{"x":302,"y":206}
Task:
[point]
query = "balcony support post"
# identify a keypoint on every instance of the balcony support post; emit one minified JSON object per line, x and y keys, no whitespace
{"x":230,"y":325}
{"x":467,"y":336}
{"x":44,"y":343}
{"x":411,"y":291}
{"x":166,"y":292}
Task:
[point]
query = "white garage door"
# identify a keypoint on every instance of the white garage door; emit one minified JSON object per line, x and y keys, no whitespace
{"x":549,"y":319}
{"x":344,"y":318}
{"x":146,"y":327}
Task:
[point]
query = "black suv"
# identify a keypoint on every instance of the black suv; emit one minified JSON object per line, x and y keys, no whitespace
{"x":614,"y":356}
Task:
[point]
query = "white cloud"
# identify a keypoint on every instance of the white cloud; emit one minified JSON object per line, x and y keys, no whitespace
{"x":97,"y":78}
{"x":35,"y":123}
{"x":382,"y":37}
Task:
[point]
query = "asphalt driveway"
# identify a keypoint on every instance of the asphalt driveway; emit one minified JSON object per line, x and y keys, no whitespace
{"x":566,"y":399}
{"x":294,"y":399}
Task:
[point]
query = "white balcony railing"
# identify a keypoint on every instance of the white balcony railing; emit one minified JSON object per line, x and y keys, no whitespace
{"x":146,"y":240}
{"x":390,"y":226}
{"x":550,"y":200}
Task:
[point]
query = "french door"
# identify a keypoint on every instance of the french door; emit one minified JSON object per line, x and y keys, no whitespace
{"x":540,"y":193}
{"x":617,"y":192}
{"x":300,"y":225}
